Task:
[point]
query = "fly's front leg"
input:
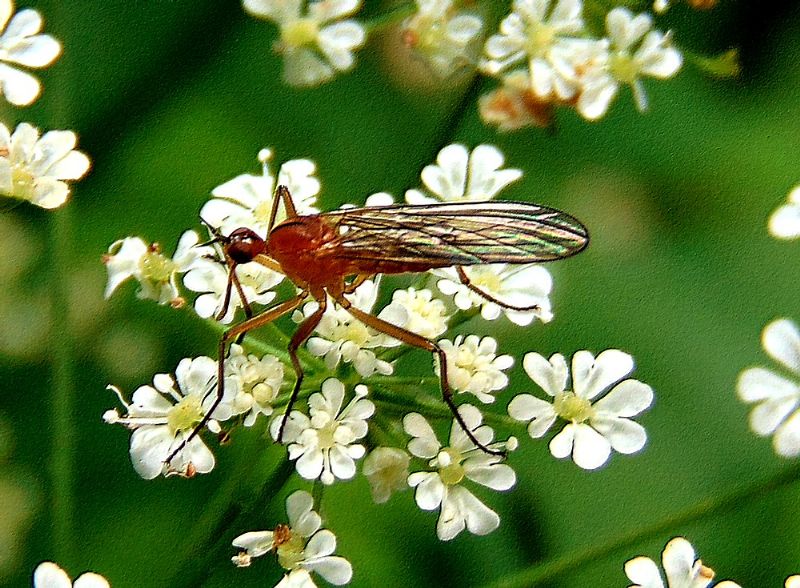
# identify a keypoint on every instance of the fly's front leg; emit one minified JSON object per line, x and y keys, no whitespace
{"x":300,"y":336}
{"x":420,"y":342}
{"x":260,"y":320}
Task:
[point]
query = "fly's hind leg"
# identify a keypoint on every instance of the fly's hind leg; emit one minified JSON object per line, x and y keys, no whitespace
{"x":420,"y":342}
{"x":462,"y":275}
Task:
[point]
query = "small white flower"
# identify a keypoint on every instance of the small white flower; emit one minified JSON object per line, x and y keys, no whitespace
{"x":775,"y":397}
{"x":474,"y":366}
{"x":592,"y":430}
{"x":635,"y":51}
{"x":324,"y":444}
{"x":461,"y":460}
{"x":682,"y":569}
{"x":417,"y":311}
{"x":209,"y":276}
{"x":259,"y":381}
{"x":785,"y":221}
{"x":515,"y":285}
{"x":342,"y":337}
{"x":49,"y":575}
{"x":514,"y":106}
{"x":459,"y":175}
{"x":246,"y":200}
{"x":156,"y":273}
{"x":792,"y":582}
{"x":532,"y":36}
{"x":164,"y":415}
{"x":447,"y":40}
{"x":315,"y":41}
{"x":34,"y":168}
{"x":386,"y":468}
{"x":301,"y":547}
{"x":21,"y":45}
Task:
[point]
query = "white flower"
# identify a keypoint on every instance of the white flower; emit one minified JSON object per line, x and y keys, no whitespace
{"x":792,"y":582}
{"x":324,"y":445}
{"x":592,"y":430}
{"x":459,"y":175}
{"x":210,"y":278}
{"x":776,"y":398}
{"x":461,"y":460}
{"x":156,"y":273}
{"x":342,"y":337}
{"x":417,"y":311}
{"x":301,"y":547}
{"x":532,"y":36}
{"x":315,"y":41}
{"x":474,"y":366}
{"x":246,"y":200}
{"x":445,"y":39}
{"x":164,"y":415}
{"x":785,"y":221}
{"x":33,"y":168}
{"x":635,"y":51}
{"x":515,"y":285}
{"x":386,"y":468}
{"x":514,"y":106}
{"x":259,"y":381}
{"x":682,"y":569}
{"x":21,"y":45}
{"x":49,"y":575}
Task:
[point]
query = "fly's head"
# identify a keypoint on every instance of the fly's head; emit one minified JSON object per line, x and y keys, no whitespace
{"x":243,"y":245}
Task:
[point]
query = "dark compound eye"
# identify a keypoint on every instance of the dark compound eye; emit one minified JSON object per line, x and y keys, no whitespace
{"x":244,"y":244}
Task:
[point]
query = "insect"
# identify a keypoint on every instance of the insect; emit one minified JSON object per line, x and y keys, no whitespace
{"x":332,"y":253}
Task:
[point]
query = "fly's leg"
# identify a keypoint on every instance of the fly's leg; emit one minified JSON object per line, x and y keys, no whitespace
{"x":259,"y":320}
{"x":302,"y":333}
{"x":462,"y":275}
{"x":420,"y":342}
{"x":360,"y":279}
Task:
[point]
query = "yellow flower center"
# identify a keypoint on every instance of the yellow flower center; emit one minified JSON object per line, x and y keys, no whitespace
{"x":156,"y":267}
{"x":263,"y":393}
{"x":540,"y":39}
{"x":301,"y":32}
{"x":23,"y":182}
{"x":624,"y":67}
{"x":355,"y":331}
{"x":289,"y":547}
{"x":185,"y":415}
{"x":326,"y":434}
{"x":452,"y":473}
{"x":488,"y":281}
{"x":573,"y":408}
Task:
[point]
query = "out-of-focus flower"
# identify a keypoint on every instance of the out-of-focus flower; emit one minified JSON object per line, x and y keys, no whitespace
{"x":315,"y":41}
{"x":301,"y":547}
{"x":445,"y":38}
{"x":163,"y":417}
{"x":20,"y":44}
{"x":784,"y":223}
{"x":324,"y":445}
{"x":156,"y":273}
{"x":386,"y":468}
{"x":37,"y":169}
{"x":461,"y":460}
{"x":49,"y":575}
{"x":776,"y":398}
{"x":681,"y":567}
{"x":592,"y":429}
{"x":515,"y":106}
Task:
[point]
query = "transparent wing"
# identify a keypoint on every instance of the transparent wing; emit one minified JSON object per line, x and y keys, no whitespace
{"x":441,"y":235}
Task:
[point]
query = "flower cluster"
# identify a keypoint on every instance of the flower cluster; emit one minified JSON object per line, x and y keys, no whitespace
{"x":33,"y":167}
{"x":350,"y":410}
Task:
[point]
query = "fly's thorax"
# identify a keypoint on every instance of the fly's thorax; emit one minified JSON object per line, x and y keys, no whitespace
{"x":304,"y":246}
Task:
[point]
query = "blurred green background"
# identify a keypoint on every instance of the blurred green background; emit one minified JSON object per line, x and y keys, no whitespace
{"x":172,"y":98}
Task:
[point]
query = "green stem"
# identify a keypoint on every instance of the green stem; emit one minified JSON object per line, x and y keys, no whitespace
{"x":62,"y":467}
{"x":547,"y":571}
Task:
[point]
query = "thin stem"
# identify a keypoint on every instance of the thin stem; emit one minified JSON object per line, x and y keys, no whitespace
{"x":549,"y":570}
{"x":62,"y":467}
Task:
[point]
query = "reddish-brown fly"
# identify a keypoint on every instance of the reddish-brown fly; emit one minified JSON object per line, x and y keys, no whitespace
{"x":331,"y":254}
